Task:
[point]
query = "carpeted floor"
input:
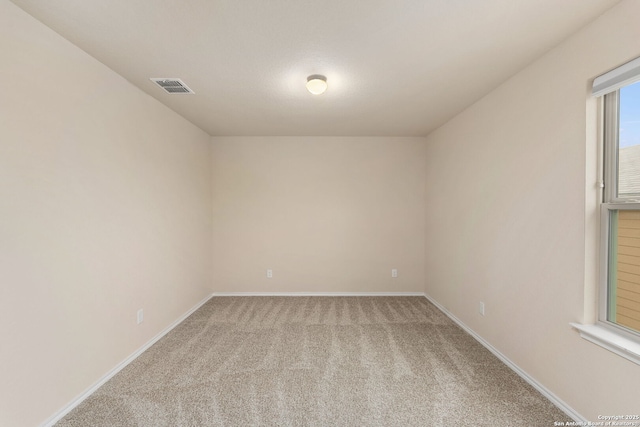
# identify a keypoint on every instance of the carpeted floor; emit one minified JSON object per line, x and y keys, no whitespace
{"x":316,"y":361}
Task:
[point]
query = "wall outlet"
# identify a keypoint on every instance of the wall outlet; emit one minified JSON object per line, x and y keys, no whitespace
{"x":269,"y":273}
{"x":394,"y":272}
{"x":481,"y":308}
{"x":140,"y":316}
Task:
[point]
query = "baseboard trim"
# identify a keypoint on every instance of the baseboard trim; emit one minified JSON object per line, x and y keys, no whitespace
{"x":535,"y":384}
{"x":78,"y":400}
{"x":318,"y":294}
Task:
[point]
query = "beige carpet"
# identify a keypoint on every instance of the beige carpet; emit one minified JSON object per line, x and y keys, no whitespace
{"x":316,"y":361}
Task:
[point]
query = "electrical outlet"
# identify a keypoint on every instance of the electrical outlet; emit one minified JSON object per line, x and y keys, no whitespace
{"x":140,"y":317}
{"x":481,"y":308}
{"x":394,"y":273}
{"x":269,"y":273}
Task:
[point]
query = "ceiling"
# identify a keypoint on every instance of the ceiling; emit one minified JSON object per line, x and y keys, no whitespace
{"x":394,"y":67}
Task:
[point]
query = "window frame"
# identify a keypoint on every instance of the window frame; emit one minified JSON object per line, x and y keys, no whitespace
{"x":611,"y":202}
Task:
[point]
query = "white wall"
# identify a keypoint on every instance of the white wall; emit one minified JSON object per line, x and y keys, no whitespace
{"x":506,"y":220}
{"x":326,"y":214}
{"x":105,"y":208}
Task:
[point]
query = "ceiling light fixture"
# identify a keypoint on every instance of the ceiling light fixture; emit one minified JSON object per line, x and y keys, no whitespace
{"x":316,"y":84}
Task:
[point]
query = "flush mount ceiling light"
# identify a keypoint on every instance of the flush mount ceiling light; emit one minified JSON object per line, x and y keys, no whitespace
{"x":316,"y":84}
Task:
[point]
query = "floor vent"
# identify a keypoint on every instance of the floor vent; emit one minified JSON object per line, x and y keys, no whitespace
{"x":171,"y":85}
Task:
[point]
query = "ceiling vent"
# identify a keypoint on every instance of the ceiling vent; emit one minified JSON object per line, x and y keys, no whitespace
{"x":171,"y":85}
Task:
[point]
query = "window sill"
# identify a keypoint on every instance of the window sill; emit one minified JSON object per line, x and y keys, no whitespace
{"x":616,"y":343}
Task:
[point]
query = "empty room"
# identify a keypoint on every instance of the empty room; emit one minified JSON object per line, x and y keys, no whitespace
{"x":340,"y":213}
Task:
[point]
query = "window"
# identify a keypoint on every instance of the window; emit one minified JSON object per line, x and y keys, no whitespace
{"x":618,"y":326}
{"x":620,"y":220}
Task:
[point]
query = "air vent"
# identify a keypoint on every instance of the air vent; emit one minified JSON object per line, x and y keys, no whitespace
{"x":172,"y":86}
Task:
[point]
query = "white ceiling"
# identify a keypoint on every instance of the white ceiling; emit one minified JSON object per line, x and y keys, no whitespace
{"x":394,"y":67}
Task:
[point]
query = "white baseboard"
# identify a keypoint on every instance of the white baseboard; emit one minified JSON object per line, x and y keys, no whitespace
{"x":78,"y":400}
{"x":318,"y":294}
{"x":535,"y":384}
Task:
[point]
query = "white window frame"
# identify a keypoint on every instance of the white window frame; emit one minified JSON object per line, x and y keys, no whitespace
{"x":618,"y":339}
{"x":610,"y":203}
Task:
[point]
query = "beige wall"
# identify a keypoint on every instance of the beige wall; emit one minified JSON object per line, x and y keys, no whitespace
{"x":105,"y":208}
{"x":506,"y":217}
{"x":106,"y":199}
{"x":326,"y":214}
